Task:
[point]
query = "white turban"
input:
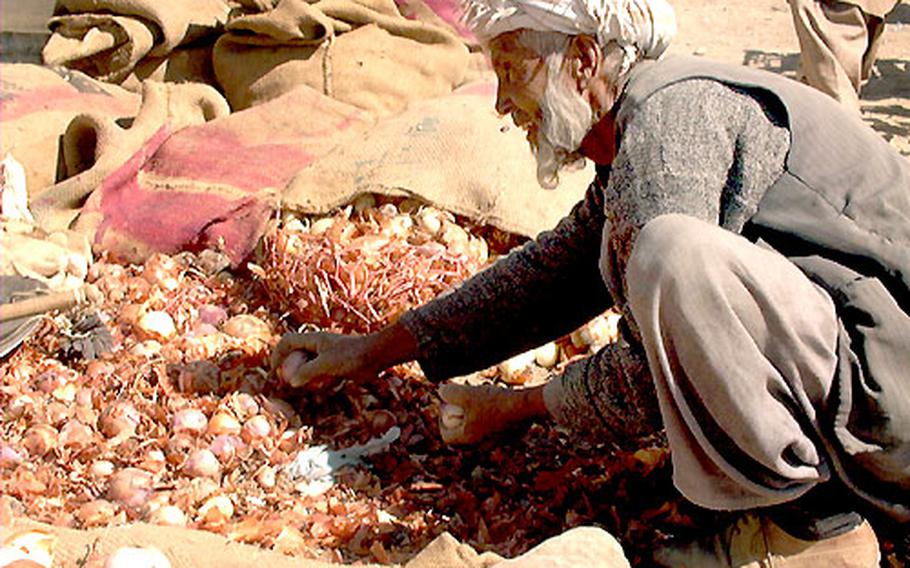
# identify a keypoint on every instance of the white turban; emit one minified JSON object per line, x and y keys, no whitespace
{"x":642,"y":27}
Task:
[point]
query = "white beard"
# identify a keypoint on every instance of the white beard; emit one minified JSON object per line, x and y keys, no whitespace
{"x":566,"y":118}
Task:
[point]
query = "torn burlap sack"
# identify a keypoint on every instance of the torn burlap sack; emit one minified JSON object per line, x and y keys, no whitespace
{"x":361,"y":52}
{"x":454,"y":152}
{"x":102,"y":152}
{"x":38,"y":103}
{"x":106,"y":39}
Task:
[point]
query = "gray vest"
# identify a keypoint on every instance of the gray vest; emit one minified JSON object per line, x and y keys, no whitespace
{"x":841,"y":212}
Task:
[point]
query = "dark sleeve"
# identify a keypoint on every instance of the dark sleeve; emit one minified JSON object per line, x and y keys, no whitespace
{"x":608,"y":397}
{"x":535,"y":294}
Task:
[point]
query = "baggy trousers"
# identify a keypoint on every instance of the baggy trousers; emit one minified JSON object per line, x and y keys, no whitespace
{"x":742,"y":347}
{"x":838,"y":43}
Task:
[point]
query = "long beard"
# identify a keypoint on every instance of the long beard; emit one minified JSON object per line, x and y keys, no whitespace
{"x":566,"y":118}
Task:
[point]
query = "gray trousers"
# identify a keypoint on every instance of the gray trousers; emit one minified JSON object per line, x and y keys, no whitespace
{"x":742,"y":347}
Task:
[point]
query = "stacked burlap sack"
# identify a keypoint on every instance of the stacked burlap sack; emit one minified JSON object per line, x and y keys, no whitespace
{"x":307,"y":106}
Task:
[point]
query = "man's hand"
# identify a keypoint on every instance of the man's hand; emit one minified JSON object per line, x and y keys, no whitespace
{"x":318,"y":361}
{"x":468,"y":414}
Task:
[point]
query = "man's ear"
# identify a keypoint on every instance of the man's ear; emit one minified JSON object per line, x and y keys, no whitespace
{"x":583,"y":58}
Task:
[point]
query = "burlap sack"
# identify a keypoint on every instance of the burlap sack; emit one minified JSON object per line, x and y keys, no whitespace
{"x":99,"y":152}
{"x":184,"y":548}
{"x":191,"y":64}
{"x":454,"y":152}
{"x":36,"y":106}
{"x":171,"y":183}
{"x":361,"y":52}
{"x":108,"y":38}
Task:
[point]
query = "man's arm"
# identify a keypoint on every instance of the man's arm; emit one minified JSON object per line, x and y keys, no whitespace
{"x":535,"y":294}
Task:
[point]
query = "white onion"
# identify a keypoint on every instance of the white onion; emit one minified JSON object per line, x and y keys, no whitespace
{"x":202,"y":463}
{"x":256,"y":428}
{"x":189,"y":420}
{"x":156,"y":325}
{"x":168,"y":515}
{"x":101,"y":468}
{"x":452,"y":416}
{"x":547,"y":355}
{"x":130,"y":557}
{"x":218,"y":504}
{"x":514,"y":370}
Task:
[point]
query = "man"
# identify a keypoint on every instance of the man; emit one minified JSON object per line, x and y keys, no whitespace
{"x":755,"y":236}
{"x":838,"y":43}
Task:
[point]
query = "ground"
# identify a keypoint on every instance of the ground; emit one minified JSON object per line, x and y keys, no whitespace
{"x":760,"y":33}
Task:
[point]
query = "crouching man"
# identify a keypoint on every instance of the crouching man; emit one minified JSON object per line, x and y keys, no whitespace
{"x":756,"y":237}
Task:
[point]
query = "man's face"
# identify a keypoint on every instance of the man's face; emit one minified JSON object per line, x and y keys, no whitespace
{"x":522,"y":80}
{"x":542,"y":99}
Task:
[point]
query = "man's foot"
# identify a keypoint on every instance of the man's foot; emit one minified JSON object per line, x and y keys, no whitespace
{"x":757,"y":542}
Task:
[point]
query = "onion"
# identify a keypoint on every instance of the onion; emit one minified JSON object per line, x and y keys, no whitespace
{"x":547,"y":355}
{"x":266,"y":477}
{"x":212,"y":315}
{"x":219,"y":505}
{"x":40,"y":439}
{"x":244,"y":405}
{"x":225,"y":446}
{"x":430,"y":220}
{"x":19,"y":406}
{"x":9,"y":457}
{"x":101,"y":468}
{"x":58,"y":413}
{"x":168,"y":515}
{"x":189,"y":420}
{"x":291,"y":366}
{"x":247,"y":327}
{"x":130,"y":557}
{"x":131,"y":487}
{"x":159,"y":265}
{"x":97,"y":513}
{"x":147,"y":349}
{"x":320,"y":226}
{"x":451,"y":416}
{"x":256,"y":428}
{"x":515,"y":370}
{"x":397,"y":226}
{"x":156,"y":325}
{"x":77,"y":435}
{"x":202,"y":463}
{"x":119,"y":419}
{"x":154,"y":461}
{"x":598,"y":332}
{"x":223,"y":424}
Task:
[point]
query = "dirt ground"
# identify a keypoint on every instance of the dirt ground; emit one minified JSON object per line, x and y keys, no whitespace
{"x":760,"y":33}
